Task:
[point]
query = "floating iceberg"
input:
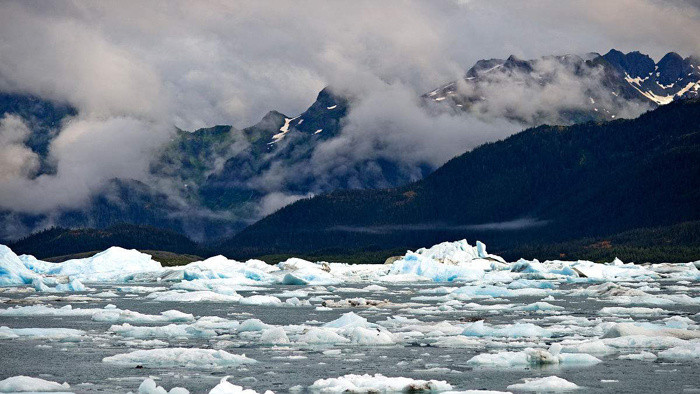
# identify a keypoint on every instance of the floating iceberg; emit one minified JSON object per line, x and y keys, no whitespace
{"x":226,"y":387}
{"x":17,"y":384}
{"x":418,"y":265}
{"x":127,"y":316}
{"x":532,"y":357}
{"x":168,"y":331}
{"x":322,"y":336}
{"x":517,"y":330}
{"x":111,"y":265}
{"x":260,"y":300}
{"x":630,"y":329}
{"x":192,"y":296}
{"x":445,"y":262}
{"x":43,"y":310}
{"x":459,"y":252}
{"x":58,"y":334}
{"x":348,"y":320}
{"x":149,"y":386}
{"x":685,"y":352}
{"x":12,"y":269}
{"x":377,"y":384}
{"x":274,"y":336}
{"x":179,"y":357}
{"x":549,"y":383}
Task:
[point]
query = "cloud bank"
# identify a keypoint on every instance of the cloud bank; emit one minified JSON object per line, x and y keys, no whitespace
{"x":135,"y":70}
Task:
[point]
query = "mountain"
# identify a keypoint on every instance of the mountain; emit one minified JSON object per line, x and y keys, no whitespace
{"x":207,"y":170}
{"x":213,"y":182}
{"x":60,"y":241}
{"x":671,"y":78}
{"x":570,"y":89}
{"x":546,"y":184}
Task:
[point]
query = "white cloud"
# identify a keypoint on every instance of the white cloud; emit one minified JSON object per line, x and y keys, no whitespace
{"x":16,"y":159}
{"x":134,"y":69}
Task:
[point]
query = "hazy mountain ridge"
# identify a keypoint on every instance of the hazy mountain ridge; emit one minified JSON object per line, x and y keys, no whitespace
{"x":549,"y":183}
{"x":604,"y":87}
{"x":212,"y":182}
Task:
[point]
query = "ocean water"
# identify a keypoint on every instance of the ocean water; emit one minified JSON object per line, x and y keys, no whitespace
{"x":296,"y":366}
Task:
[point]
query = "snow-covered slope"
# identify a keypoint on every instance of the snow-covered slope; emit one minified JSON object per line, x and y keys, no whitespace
{"x":670,"y":79}
{"x":570,"y":88}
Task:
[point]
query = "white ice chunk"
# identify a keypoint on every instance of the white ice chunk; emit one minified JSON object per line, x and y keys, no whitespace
{"x":322,"y":336}
{"x":110,"y":264}
{"x":549,"y":383}
{"x":179,"y":357}
{"x":377,"y":384}
{"x":532,"y":357}
{"x":149,"y":386}
{"x":517,"y":330}
{"x":685,"y":352}
{"x":168,"y":331}
{"x":261,"y":300}
{"x":225,"y":387}
{"x":127,"y":316}
{"x":16,"y":384}
{"x":630,"y":329}
{"x":348,"y":320}
{"x":60,"y":334}
{"x":253,"y":325}
{"x":192,"y":296}
{"x":274,"y":336}
{"x":12,"y":270}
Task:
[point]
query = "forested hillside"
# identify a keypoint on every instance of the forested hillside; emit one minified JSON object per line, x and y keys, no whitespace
{"x":546,"y":185}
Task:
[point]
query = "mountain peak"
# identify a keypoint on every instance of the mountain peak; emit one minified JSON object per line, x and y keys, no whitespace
{"x":671,"y":57}
{"x":273,"y":116}
{"x":513,"y":58}
{"x":614,"y":54}
{"x":515,"y":62}
{"x":670,"y":68}
{"x":635,"y":64}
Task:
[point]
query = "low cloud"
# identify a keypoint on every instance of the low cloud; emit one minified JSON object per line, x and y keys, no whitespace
{"x":88,"y":153}
{"x":136,"y":70}
{"x":16,"y":159}
{"x":511,"y":225}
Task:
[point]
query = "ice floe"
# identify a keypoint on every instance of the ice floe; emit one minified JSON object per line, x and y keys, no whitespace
{"x":546,"y":384}
{"x":149,"y":386}
{"x":16,"y":384}
{"x":226,"y":387}
{"x":685,"y":352}
{"x":517,"y":330}
{"x":532,"y":357}
{"x":377,"y":384}
{"x":58,"y":334}
{"x":445,"y":262}
{"x":179,"y":357}
{"x":427,"y":306}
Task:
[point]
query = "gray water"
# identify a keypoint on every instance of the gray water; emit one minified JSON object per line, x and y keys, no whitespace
{"x":80,"y":363}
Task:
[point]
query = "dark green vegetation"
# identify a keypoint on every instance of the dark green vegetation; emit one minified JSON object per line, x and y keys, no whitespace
{"x":627,"y":189}
{"x":529,"y":195}
{"x":586,"y":180}
{"x":207,"y":191}
{"x":213,"y":182}
{"x":62,"y":242}
{"x":678,"y":243}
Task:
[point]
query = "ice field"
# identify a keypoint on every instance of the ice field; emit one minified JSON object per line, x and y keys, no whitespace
{"x":450,"y":318}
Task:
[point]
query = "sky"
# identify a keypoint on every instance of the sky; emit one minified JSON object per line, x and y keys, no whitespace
{"x":136,"y":69}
